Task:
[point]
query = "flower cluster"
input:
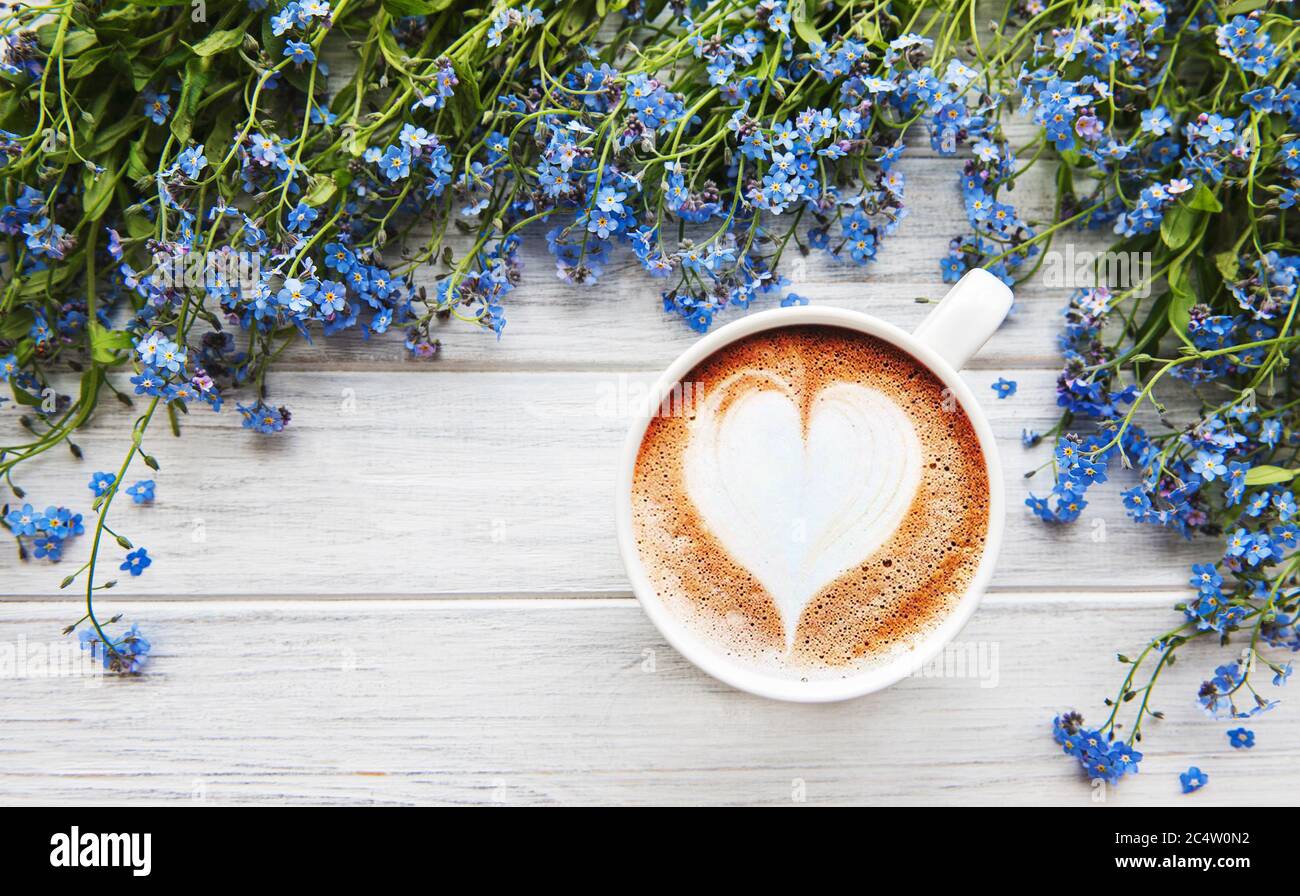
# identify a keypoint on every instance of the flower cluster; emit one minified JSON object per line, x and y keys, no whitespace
{"x":1099,"y":754}
{"x":190,"y":221}
{"x":48,"y":532}
{"x":166,"y":373}
{"x":125,"y":655}
{"x":1198,"y":186}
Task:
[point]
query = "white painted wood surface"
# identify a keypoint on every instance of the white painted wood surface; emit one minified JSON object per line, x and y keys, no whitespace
{"x":546,"y":701}
{"x":483,"y":483}
{"x":414,"y":594}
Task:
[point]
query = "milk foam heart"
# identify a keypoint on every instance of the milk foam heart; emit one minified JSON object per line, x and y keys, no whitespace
{"x":800,"y":502}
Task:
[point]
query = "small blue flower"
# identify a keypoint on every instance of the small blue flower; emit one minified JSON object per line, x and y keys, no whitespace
{"x":25,"y":520}
{"x":299,"y":51}
{"x":1157,"y":121}
{"x":700,"y":320}
{"x":793,"y":299}
{"x":136,"y":562}
{"x":1238,"y":542}
{"x":1136,"y":503}
{"x":331,"y":297}
{"x":285,"y":19}
{"x":302,"y":216}
{"x":1004,"y":388}
{"x":1193,"y":779}
{"x":101,"y":482}
{"x":48,"y":549}
{"x":1241,"y":738}
{"x":142,"y":491}
{"x":610,"y":200}
{"x":1205,"y":578}
{"x":192,"y":162}
{"x":149,"y":382}
{"x":297,"y":294}
{"x":1290,"y":153}
{"x":1285,"y":504}
{"x":602,"y":224}
{"x":1216,"y":129}
{"x":263,"y":418}
{"x":395,"y":163}
{"x":157,"y":106}
{"x":1209,"y":465}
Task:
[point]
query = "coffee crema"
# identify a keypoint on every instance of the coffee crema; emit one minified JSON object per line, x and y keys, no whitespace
{"x":821,"y":508}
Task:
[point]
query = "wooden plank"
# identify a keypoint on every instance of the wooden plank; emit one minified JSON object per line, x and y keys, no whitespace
{"x":481,"y":483}
{"x":582,"y":702}
{"x":619,"y":322}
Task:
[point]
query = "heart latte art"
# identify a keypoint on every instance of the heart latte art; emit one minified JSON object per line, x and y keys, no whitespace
{"x":819,"y":506}
{"x":798,"y":504}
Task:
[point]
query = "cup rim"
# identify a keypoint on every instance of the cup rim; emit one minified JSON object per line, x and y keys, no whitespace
{"x":691,"y":645}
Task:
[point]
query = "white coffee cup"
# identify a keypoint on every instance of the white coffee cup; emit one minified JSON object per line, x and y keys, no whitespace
{"x":958,"y":326}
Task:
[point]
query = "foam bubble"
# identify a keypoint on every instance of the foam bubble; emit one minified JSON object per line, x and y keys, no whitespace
{"x":892,"y":536}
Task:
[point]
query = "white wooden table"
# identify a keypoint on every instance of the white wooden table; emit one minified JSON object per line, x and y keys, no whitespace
{"x":414,"y":595}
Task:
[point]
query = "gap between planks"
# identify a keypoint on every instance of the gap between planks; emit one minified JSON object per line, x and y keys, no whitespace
{"x":1027,"y":596}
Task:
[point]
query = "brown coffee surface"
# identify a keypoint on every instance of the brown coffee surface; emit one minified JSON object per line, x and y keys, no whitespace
{"x":874,"y":610}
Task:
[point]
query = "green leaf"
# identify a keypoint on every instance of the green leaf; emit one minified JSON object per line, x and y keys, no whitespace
{"x":16,"y":323}
{"x":106,"y":139}
{"x":1244,"y":6}
{"x":24,"y":397}
{"x":1228,"y":264}
{"x":400,"y":8}
{"x":222,"y":127}
{"x":48,"y":280}
{"x":105,"y":343}
{"x":1269,"y":475}
{"x":196,"y":81}
{"x":137,"y":163}
{"x":802,"y":18}
{"x":1153,"y":327}
{"x":75,"y":41}
{"x":97,"y":189}
{"x":134,"y":68}
{"x":465,"y":101}
{"x":87,"y":62}
{"x":91,"y":380}
{"x":1180,"y":306}
{"x":218,"y":42}
{"x":320,"y":192}
{"x":867,"y":29}
{"x":1204,"y":200}
{"x":1177,"y":226}
{"x":138,"y":224}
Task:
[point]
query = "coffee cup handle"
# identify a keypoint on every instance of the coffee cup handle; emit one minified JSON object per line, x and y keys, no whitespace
{"x":966,"y":317}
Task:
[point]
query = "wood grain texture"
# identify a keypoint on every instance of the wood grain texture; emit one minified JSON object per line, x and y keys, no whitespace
{"x":479,"y":483}
{"x":518,"y":669}
{"x":547,"y":702}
